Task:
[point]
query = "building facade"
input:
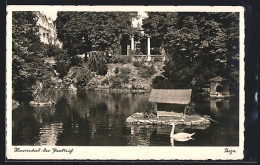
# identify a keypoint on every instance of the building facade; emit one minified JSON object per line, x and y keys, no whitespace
{"x":47,"y":30}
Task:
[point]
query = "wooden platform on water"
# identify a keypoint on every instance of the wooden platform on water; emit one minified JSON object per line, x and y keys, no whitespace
{"x":187,"y":120}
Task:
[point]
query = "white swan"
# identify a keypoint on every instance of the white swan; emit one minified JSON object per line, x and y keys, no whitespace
{"x":180,"y":136}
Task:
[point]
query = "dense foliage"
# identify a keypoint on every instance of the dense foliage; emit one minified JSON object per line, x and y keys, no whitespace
{"x":63,"y":62}
{"x":82,"y":32}
{"x":120,"y":59}
{"x":116,"y":81}
{"x":80,"y":76}
{"x":125,"y":70}
{"x":96,"y":60}
{"x":27,"y":52}
{"x":121,"y":77}
{"x":146,"y":71}
{"x":116,"y":70}
{"x":157,"y":25}
{"x":199,"y":46}
{"x":102,"y":70}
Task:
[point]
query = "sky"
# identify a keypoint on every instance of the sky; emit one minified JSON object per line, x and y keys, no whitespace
{"x":53,"y":15}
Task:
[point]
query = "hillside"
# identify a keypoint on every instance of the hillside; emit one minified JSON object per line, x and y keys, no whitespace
{"x":119,"y":76}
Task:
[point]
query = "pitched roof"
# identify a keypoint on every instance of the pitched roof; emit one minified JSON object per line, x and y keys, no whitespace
{"x":218,"y":78}
{"x":173,"y":96}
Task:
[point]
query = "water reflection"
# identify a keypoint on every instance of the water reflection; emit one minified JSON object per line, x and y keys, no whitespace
{"x":217,"y":105}
{"x":98,"y":119}
{"x":49,"y":134}
{"x":139,"y":136}
{"x":25,"y":126}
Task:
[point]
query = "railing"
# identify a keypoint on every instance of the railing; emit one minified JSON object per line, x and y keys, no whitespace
{"x":149,"y":57}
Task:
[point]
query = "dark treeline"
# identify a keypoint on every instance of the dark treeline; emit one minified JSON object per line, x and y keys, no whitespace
{"x":199,"y":46}
{"x":82,"y":32}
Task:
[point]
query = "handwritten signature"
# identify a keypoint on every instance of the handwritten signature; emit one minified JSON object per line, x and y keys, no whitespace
{"x":230,"y":151}
{"x":53,"y":150}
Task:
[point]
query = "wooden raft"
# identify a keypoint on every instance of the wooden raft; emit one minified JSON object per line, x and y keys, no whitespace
{"x":140,"y":119}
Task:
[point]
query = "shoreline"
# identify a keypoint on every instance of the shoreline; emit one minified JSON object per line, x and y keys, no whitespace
{"x":121,"y":90}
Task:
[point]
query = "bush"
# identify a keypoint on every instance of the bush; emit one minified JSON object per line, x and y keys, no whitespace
{"x":137,"y":63}
{"x":53,"y":50}
{"x":155,"y":51}
{"x":132,"y":52}
{"x":116,"y":70}
{"x":83,"y":76}
{"x":102,"y":70}
{"x":158,"y":58}
{"x":137,"y":86}
{"x":125,"y":70}
{"x":63,"y":64}
{"x":105,"y":81}
{"x":125,"y":79}
{"x":134,"y":79}
{"x":76,"y":61}
{"x":96,"y":59}
{"x":115,"y":81}
{"x":93,"y":83}
{"x":62,"y":67}
{"x":160,"y":82}
{"x":126,"y":59}
{"x":146,"y":71}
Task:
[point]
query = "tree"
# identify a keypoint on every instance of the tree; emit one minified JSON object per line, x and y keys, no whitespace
{"x":221,"y":56}
{"x":230,"y":22}
{"x":156,"y":25}
{"x":63,"y":61}
{"x":102,"y":70}
{"x":200,"y":46}
{"x":82,"y":32}
{"x":83,"y":76}
{"x":28,"y":53}
{"x":54,"y":50}
{"x":97,"y":59}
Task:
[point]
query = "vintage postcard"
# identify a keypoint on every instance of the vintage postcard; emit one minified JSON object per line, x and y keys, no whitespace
{"x":125,"y":82}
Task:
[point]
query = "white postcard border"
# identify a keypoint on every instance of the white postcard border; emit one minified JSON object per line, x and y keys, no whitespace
{"x":124,"y":153}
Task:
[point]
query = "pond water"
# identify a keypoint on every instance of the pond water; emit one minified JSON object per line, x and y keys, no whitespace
{"x":95,"y":118}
